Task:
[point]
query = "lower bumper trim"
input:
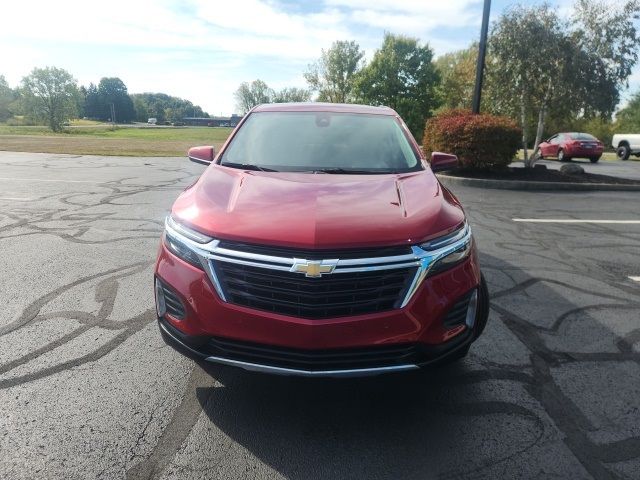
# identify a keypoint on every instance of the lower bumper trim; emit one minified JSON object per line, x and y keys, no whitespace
{"x":356,"y":372}
{"x":256,"y":367}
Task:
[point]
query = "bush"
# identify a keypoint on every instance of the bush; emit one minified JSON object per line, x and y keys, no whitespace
{"x":480,"y":141}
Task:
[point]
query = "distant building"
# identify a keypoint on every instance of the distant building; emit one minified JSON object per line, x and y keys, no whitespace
{"x":231,"y":121}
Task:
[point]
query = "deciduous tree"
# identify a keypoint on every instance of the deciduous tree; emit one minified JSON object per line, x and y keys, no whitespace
{"x":541,"y":66}
{"x":50,"y":95}
{"x":113,"y":92}
{"x":333,"y":75}
{"x":402,"y":76}
{"x":251,"y":94}
{"x":164,"y":107}
{"x":292,"y":94}
{"x":457,"y":72}
{"x":92,"y":105}
{"x":628,"y":118}
{"x":607,"y":32}
{"x":7,"y":97}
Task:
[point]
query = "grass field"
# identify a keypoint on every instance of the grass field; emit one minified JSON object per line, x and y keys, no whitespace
{"x":86,"y":137}
{"x":91,"y":138}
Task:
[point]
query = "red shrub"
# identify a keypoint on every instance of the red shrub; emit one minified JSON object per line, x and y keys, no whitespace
{"x":479,"y":141}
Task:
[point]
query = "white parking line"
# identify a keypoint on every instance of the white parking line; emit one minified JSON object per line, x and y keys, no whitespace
{"x":46,"y":180}
{"x":16,"y":199}
{"x":571,"y":220}
{"x":635,"y":279}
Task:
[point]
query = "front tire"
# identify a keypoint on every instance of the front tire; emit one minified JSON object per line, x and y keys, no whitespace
{"x":562,"y":157}
{"x":623,"y":152}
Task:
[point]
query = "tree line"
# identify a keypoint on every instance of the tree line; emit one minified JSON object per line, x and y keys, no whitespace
{"x":550,"y":73}
{"x":52,"y":96}
{"x":401,"y":75}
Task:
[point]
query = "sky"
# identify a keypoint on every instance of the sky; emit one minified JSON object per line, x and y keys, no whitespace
{"x":202,"y":50}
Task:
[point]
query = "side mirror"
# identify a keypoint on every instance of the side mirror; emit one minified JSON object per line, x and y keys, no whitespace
{"x":443,"y":161}
{"x":203,"y":155}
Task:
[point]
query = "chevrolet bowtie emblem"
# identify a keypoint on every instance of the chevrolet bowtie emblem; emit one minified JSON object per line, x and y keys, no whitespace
{"x":313,"y":268}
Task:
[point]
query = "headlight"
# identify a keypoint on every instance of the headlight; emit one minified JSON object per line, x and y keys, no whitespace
{"x":183,"y":242}
{"x":193,"y":247}
{"x":449,"y":250}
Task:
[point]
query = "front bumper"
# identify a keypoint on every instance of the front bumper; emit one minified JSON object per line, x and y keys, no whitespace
{"x":206,"y":321}
{"x":217,"y":351}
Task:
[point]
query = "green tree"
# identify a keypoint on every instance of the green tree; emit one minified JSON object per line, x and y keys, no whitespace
{"x":530,"y":75}
{"x":251,"y":94}
{"x":291,"y":94}
{"x":607,"y":31}
{"x":402,"y":76}
{"x":333,"y":75}
{"x":458,"y":73}
{"x":113,"y":92}
{"x":50,"y":95}
{"x":628,"y":118}
{"x":539,"y":69}
{"x":92,"y":104}
{"x":164,"y":107}
{"x":7,"y":98}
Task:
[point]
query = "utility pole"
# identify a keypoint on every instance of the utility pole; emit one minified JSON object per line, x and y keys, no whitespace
{"x":482,"y":51}
{"x":113,"y":114}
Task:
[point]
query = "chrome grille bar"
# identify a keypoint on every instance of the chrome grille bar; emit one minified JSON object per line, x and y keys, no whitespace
{"x":422,"y":258}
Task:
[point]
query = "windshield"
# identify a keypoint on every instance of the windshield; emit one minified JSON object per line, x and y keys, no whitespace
{"x":582,"y":136}
{"x":321,"y":142}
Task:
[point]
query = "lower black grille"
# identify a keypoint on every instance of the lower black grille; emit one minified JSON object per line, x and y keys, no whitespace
{"x":335,"y":295}
{"x":335,"y":359}
{"x":173,"y":304}
{"x":457,"y":314}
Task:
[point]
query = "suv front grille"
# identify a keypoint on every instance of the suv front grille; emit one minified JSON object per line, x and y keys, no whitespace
{"x":335,"y":295}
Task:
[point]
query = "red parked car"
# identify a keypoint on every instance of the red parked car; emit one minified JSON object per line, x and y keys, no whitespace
{"x":318,"y":242}
{"x":566,"y":146}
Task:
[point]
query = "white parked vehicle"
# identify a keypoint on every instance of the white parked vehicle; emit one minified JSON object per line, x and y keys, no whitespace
{"x":626,"y":144}
{"x":152,"y":121}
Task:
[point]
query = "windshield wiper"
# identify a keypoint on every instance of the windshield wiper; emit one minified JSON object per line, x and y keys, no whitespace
{"x":339,"y":170}
{"x":248,"y":166}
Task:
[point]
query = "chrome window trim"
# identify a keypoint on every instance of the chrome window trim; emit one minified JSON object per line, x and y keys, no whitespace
{"x":420,"y":257}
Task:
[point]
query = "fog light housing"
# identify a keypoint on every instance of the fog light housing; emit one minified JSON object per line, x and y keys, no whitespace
{"x":472,"y":309}
{"x":161,"y":306}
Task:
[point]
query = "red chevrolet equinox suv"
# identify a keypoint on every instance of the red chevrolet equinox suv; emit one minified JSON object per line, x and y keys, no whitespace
{"x":318,"y":242}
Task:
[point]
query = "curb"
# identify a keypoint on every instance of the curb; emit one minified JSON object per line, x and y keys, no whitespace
{"x":525,"y":185}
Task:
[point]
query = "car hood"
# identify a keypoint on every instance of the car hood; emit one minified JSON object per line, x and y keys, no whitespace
{"x":318,"y":210}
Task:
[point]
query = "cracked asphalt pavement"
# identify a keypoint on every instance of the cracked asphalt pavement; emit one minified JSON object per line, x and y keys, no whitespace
{"x":89,"y":390}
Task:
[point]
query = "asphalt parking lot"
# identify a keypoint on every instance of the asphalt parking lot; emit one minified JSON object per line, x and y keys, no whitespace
{"x":89,"y":390}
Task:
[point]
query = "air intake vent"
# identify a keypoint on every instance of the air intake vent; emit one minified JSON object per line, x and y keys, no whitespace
{"x":458,"y":313}
{"x":172,"y":302}
{"x":335,"y":359}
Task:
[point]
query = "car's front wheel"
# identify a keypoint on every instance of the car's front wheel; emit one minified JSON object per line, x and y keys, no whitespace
{"x":562,"y":157}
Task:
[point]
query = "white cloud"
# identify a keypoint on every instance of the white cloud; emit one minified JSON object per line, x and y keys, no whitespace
{"x":202,"y":49}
